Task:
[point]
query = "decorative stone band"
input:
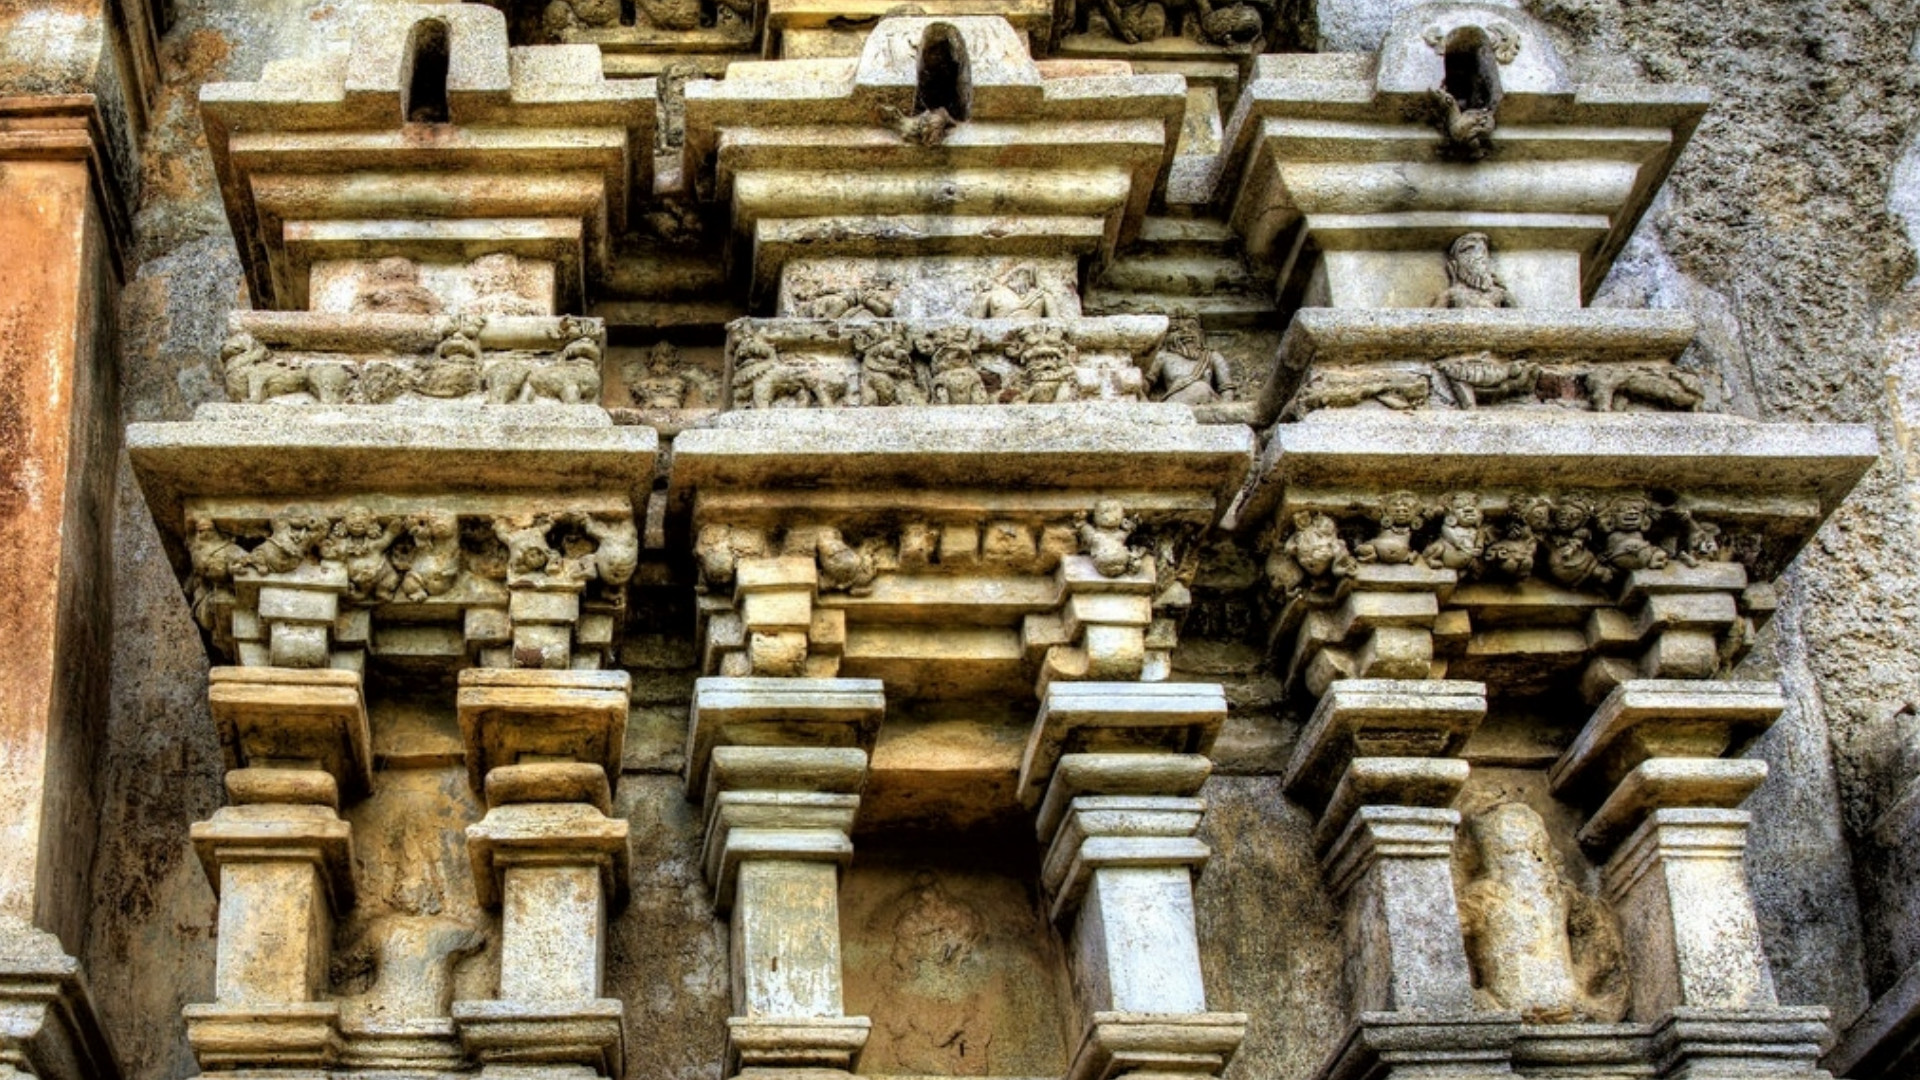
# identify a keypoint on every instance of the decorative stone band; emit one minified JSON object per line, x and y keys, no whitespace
{"x":1119,"y":1043}
{"x":497,"y":582}
{"x":786,"y":363}
{"x":415,"y":360}
{"x":1599,"y":360}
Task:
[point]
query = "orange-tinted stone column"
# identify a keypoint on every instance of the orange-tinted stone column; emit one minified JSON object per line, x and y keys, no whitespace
{"x":59,"y":437}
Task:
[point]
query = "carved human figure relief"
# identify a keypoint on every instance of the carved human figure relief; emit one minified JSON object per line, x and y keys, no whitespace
{"x":1015,"y":294}
{"x":1104,"y":537}
{"x":1185,"y":371}
{"x":1471,"y":282}
{"x":1400,"y":514}
{"x":1521,"y":919}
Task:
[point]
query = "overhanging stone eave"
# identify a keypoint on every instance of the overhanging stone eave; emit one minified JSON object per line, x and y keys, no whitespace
{"x":1501,"y":450}
{"x":270,"y":452}
{"x":1057,"y":448}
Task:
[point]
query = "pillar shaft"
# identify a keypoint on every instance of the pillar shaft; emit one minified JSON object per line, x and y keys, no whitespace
{"x":1680,"y":886}
{"x":1393,"y":864}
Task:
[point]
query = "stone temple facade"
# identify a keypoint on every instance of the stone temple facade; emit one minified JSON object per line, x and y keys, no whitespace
{"x":1083,"y":539}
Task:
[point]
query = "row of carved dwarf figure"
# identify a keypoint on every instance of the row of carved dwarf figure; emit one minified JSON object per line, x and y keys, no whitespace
{"x":1106,"y":534}
{"x":954,"y":364}
{"x":416,"y":557}
{"x":1575,"y":539}
{"x":458,"y":369}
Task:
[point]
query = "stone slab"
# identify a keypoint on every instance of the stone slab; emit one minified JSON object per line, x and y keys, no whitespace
{"x":267,"y":713}
{"x":1489,"y":450}
{"x":1380,"y":718}
{"x":1180,"y":718}
{"x":550,"y":715}
{"x":1646,"y":718}
{"x":779,"y":712}
{"x":591,"y":1033}
{"x":1117,"y":1043}
{"x":1082,"y":447}
{"x":1659,"y":783}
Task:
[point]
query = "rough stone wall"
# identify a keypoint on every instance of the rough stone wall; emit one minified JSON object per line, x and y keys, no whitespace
{"x":1777,"y":229}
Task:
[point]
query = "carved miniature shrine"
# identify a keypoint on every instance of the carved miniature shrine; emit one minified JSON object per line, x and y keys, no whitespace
{"x":856,"y":433}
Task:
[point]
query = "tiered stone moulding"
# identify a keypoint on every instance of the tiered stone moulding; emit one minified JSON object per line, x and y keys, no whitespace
{"x":1042,"y":166}
{"x":539,"y":157}
{"x":778,"y":766}
{"x":545,"y":748}
{"x":1121,"y":765}
{"x":280,"y":860}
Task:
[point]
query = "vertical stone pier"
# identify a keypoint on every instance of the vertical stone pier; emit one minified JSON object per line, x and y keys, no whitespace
{"x":280,"y":859}
{"x":1115,"y":769}
{"x":1376,"y":760}
{"x":547,"y":745}
{"x":778,"y":765}
{"x":1670,"y":826}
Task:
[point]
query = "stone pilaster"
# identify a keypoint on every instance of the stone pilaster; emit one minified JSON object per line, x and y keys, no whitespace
{"x":1670,"y":828}
{"x":280,"y":859}
{"x":61,"y":185}
{"x":779,"y":820}
{"x":1375,"y":761}
{"x":546,"y":748}
{"x":1119,"y":828}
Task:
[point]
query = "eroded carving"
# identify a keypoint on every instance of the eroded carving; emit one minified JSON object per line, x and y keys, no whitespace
{"x":1522,"y":920}
{"x":661,"y":379}
{"x":392,"y":287}
{"x":1104,"y":536}
{"x":1571,"y":538}
{"x":1017,"y":294}
{"x":888,"y":375}
{"x":1312,"y":557}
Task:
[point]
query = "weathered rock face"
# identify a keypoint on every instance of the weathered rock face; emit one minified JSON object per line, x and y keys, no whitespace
{"x":1017,"y":540}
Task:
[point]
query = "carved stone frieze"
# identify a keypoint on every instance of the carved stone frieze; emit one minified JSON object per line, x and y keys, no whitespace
{"x":1540,"y":580}
{"x":412,"y":359}
{"x":498,"y":583}
{"x":791,"y":363}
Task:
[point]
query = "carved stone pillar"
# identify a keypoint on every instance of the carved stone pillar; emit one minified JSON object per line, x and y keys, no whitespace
{"x":1118,"y":816}
{"x":779,"y":819}
{"x":280,"y":859}
{"x":545,"y":746}
{"x":1375,"y":761}
{"x":1675,"y":840}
